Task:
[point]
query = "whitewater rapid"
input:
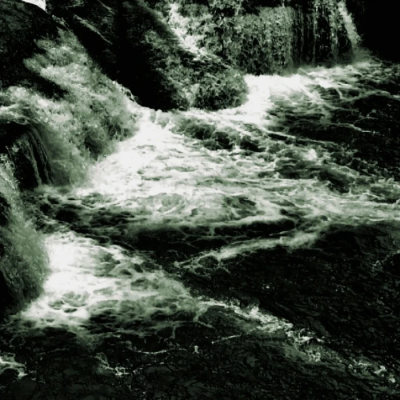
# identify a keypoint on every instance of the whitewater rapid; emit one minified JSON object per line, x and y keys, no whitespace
{"x":189,"y":191}
{"x":164,"y":177}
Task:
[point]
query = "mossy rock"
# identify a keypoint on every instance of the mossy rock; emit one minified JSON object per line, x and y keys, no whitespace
{"x":135,"y":47}
{"x":21,"y":25}
{"x":266,"y":37}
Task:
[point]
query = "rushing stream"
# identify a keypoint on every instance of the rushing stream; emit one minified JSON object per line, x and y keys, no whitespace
{"x":237,"y":254}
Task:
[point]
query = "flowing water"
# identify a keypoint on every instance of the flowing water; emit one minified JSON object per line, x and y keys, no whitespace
{"x":233,"y":254}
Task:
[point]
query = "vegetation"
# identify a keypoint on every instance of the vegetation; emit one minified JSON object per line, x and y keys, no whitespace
{"x":23,"y":262}
{"x":85,"y":122}
{"x":133,"y":45}
{"x":243,"y":34}
{"x":174,"y":78}
{"x":263,"y":37}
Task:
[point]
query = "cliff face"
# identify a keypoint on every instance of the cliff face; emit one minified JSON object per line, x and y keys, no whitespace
{"x":23,"y":159}
{"x":21,"y":25}
{"x":48,"y":124}
{"x":377,"y":23}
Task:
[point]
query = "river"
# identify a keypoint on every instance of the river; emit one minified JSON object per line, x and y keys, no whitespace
{"x":247,"y":253}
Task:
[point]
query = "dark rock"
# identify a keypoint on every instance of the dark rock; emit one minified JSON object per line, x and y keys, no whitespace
{"x":29,"y":154}
{"x":131,"y":45}
{"x":7,"y":376}
{"x":392,"y":265}
{"x":377,"y":22}
{"x":21,"y":24}
{"x":155,"y":51}
{"x":334,"y":289}
{"x":6,"y":297}
{"x":4,"y":210}
{"x":23,"y":389}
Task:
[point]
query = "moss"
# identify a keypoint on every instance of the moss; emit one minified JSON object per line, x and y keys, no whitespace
{"x":72,"y":130}
{"x":265,"y":37}
{"x":153,"y":73}
{"x":222,"y":89}
{"x":21,"y":24}
{"x":23,"y":261}
{"x":134,"y":46}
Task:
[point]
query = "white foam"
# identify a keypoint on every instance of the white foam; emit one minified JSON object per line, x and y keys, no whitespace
{"x":88,"y":279}
{"x":39,"y":3}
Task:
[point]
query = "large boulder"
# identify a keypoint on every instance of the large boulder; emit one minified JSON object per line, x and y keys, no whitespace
{"x":130,"y":44}
{"x":21,"y":24}
{"x":133,"y":46}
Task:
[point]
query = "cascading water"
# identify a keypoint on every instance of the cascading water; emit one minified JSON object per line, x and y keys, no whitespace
{"x":229,"y":254}
{"x":23,"y":263}
{"x":270,"y":40}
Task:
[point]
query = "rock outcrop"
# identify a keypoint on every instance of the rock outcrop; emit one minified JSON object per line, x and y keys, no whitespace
{"x":377,"y":23}
{"x":22,"y":142}
{"x":21,"y":24}
{"x":133,"y":46}
{"x":23,"y":159}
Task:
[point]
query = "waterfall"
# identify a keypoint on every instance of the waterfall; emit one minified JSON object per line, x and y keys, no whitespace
{"x":28,"y":155}
{"x":270,"y":40}
{"x":350,"y":26}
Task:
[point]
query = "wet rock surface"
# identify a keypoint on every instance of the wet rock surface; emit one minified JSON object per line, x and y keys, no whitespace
{"x":22,"y":142}
{"x":198,"y":362}
{"x":20,"y":25}
{"x":341,"y":297}
{"x":115,"y":34}
{"x":134,"y":46}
